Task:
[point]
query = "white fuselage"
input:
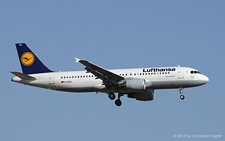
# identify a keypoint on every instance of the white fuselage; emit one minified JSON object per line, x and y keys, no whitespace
{"x":80,"y":81}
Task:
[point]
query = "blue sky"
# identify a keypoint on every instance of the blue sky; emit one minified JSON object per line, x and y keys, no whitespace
{"x":113,"y":34}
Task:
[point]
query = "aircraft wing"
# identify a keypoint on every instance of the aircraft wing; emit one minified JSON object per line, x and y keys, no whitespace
{"x":101,"y":73}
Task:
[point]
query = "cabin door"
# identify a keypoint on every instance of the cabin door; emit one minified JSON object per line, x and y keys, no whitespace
{"x":51,"y":79}
{"x":180,"y":73}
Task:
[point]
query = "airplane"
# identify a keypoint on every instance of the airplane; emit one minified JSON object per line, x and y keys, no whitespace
{"x":136,"y":83}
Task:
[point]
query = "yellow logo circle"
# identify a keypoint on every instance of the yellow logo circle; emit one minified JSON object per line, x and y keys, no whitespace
{"x":27,"y":58}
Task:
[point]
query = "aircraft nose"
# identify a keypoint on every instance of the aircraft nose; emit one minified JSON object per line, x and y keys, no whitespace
{"x":205,"y":79}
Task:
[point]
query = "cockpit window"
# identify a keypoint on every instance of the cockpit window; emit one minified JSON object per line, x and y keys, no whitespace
{"x":195,"y":72}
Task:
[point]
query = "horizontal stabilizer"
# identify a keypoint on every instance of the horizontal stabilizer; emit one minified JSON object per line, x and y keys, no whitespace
{"x":23,"y":76}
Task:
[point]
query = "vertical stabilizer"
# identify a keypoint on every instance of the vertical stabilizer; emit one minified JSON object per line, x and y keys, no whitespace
{"x":29,"y":61}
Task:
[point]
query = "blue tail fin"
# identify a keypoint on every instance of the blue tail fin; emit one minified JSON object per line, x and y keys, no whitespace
{"x":29,"y":61}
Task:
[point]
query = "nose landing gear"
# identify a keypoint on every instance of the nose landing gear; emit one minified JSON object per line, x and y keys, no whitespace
{"x":181,"y":94}
{"x":182,"y":97}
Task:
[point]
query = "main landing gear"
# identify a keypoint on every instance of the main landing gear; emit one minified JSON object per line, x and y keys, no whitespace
{"x":181,"y":94}
{"x":118,"y":102}
{"x":112,"y":96}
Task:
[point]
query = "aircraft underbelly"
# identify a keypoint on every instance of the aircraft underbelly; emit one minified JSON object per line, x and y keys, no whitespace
{"x":85,"y":89}
{"x":170,"y":84}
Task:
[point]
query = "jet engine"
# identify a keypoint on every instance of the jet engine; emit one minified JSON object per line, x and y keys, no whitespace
{"x":142,"y":96}
{"x":135,"y":84}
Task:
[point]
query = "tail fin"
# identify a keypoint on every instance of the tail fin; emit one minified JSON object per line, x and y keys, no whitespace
{"x":29,"y":61}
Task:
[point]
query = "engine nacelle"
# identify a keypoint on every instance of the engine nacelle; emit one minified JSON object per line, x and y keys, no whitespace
{"x":142,"y":96}
{"x":135,"y":84}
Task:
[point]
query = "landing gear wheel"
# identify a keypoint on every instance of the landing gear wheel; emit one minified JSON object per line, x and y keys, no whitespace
{"x":118,"y":102}
{"x":112,"y":96}
{"x":181,"y":94}
{"x":182,"y":97}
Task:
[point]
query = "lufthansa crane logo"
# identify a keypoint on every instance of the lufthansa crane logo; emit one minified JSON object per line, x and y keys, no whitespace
{"x":27,"y":58}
